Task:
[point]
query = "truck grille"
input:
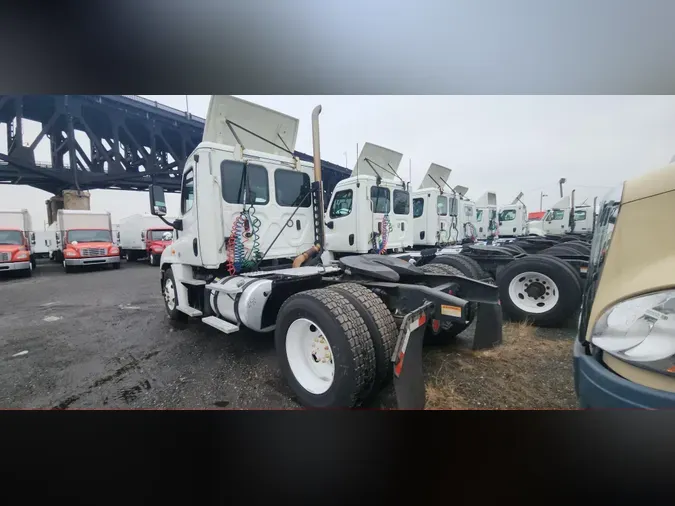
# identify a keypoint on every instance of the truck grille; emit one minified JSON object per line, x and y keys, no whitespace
{"x":4,"y":257}
{"x":92,"y":252}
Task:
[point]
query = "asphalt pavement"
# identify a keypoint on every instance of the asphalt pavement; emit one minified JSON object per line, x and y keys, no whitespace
{"x":102,"y":339}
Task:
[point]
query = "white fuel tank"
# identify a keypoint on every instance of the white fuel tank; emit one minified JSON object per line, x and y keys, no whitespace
{"x":240,"y":300}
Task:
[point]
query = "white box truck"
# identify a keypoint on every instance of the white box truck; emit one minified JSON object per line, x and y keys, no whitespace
{"x":144,"y":236}
{"x":41,"y":246}
{"x":85,"y":238}
{"x":16,"y":241}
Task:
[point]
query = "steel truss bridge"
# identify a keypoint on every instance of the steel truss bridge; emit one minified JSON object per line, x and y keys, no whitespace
{"x":134,"y":142}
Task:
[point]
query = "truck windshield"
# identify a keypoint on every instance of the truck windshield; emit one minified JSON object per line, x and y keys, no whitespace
{"x":13,"y":237}
{"x":88,"y":236}
{"x":161,"y":235}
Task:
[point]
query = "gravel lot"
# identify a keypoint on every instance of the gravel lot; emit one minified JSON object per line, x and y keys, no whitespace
{"x":101,"y":339}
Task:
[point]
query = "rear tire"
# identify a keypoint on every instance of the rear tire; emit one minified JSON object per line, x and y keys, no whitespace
{"x":170,"y":293}
{"x":381,"y":326}
{"x":538,"y":288}
{"x":326,"y":319}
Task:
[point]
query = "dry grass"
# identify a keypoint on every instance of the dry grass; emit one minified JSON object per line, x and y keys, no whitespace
{"x":532,"y":369}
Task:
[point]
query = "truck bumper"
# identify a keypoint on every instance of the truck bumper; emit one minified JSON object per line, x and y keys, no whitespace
{"x":599,"y":387}
{"x":92,"y":261}
{"x":14,"y":266}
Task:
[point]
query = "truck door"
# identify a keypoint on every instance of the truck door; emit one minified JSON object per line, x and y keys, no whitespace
{"x":382,"y":227}
{"x":341,"y":223}
{"x":419,"y":221}
{"x":556,"y":221}
{"x":583,"y":221}
{"x":402,"y":233}
{"x":292,"y":191}
{"x":188,"y":249}
{"x":443,"y":229}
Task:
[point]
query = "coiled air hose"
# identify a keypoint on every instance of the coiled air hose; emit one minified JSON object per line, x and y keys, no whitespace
{"x":381,"y":248}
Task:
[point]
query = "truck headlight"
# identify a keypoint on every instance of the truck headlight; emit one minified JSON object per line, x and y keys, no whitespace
{"x":641,"y":329}
{"x":157,"y":249}
{"x":21,"y":255}
{"x":70,"y":253}
{"x":114,"y":251}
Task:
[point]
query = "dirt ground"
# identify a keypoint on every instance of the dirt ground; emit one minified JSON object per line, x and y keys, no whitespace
{"x":532,"y":369}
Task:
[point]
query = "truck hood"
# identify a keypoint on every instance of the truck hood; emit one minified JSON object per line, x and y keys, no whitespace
{"x":163,"y":244}
{"x":10,"y":248}
{"x":650,"y":184}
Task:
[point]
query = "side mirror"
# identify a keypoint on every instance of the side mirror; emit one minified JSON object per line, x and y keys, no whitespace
{"x":157,"y":201}
{"x":32,"y":238}
{"x":142,"y":236}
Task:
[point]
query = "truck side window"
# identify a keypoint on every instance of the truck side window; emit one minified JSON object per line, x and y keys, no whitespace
{"x":557,"y":214}
{"x":579,"y":215}
{"x":380,"y":199}
{"x":468,"y":210}
{"x":507,"y":215}
{"x":401,"y":202}
{"x":342,"y":204}
{"x":418,"y":207}
{"x":187,"y":194}
{"x":479,"y":215}
{"x":291,"y":188}
{"x":442,"y":205}
{"x":236,"y":182}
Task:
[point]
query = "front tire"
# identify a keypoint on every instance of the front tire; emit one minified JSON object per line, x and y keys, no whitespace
{"x":153,"y":259}
{"x":170,"y":293}
{"x":67,"y":268}
{"x":325,"y":350}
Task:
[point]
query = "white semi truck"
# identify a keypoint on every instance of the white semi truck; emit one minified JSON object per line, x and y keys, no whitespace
{"x":144,"y":236}
{"x":513,"y":219}
{"x":84,"y":238}
{"x":16,"y":242}
{"x":386,"y":223}
{"x":441,"y":214}
{"x":247,"y":254}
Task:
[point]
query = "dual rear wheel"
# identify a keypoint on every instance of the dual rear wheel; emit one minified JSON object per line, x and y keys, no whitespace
{"x":335,"y":345}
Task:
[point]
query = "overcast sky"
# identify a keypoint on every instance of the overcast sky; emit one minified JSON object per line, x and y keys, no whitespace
{"x":505,"y":144}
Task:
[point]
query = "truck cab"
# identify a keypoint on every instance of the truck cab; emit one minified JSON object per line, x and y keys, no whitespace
{"x":513,"y":219}
{"x":370,"y":211}
{"x":85,"y":238}
{"x":624,"y":354}
{"x":567,"y":218}
{"x":16,"y":241}
{"x":441,"y":215}
{"x":245,"y":198}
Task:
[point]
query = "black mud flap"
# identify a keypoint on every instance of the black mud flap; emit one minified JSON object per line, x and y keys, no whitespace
{"x":488,"y":326}
{"x":407,"y":358}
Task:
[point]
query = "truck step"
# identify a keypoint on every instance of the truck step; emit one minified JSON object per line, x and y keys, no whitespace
{"x":216,"y":287}
{"x":193,"y":282}
{"x":222,"y":325}
{"x":190,"y":311}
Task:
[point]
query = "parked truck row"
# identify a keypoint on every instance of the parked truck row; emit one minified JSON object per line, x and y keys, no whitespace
{"x":79,"y":238}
